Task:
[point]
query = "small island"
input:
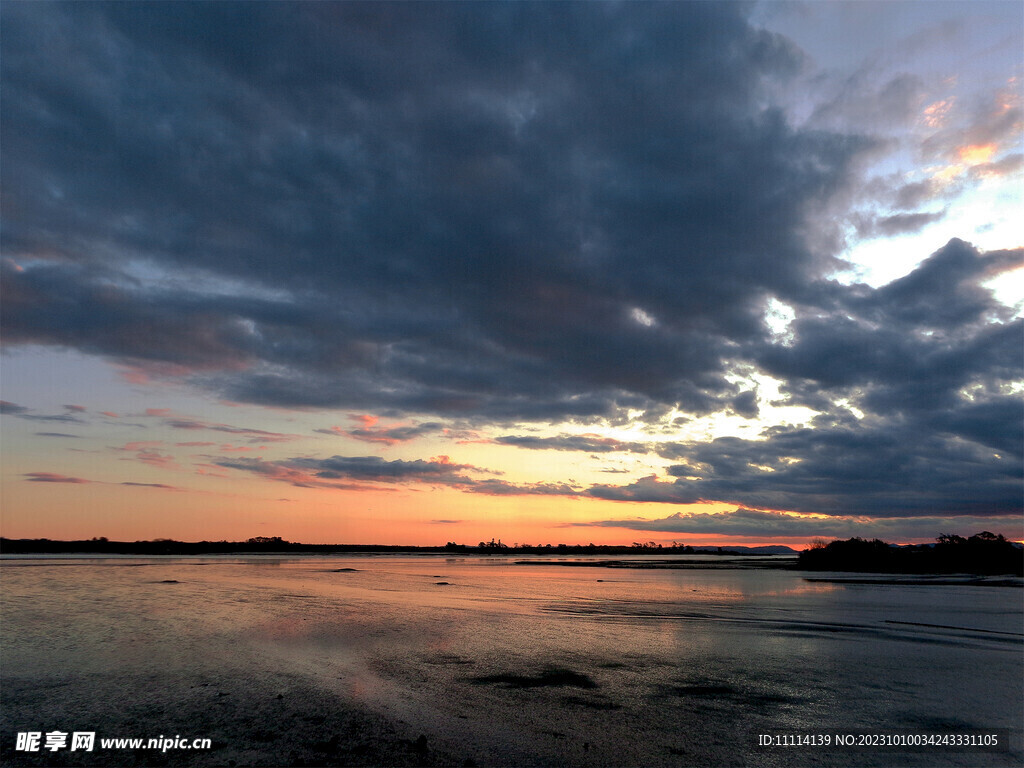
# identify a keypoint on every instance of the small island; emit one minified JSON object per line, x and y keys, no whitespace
{"x":984,"y":554}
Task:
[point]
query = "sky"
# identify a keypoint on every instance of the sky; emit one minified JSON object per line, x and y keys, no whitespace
{"x":409,"y":273}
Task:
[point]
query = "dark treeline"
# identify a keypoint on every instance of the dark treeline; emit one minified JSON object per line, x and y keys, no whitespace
{"x":493,"y":547}
{"x":984,"y":553}
{"x":258,"y":544}
{"x":278,"y":545}
{"x":636,"y":548}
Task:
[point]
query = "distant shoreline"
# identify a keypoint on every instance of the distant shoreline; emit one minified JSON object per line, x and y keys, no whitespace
{"x":984,"y":554}
{"x":740,"y":561}
{"x":277,"y":546}
{"x":926,"y":580}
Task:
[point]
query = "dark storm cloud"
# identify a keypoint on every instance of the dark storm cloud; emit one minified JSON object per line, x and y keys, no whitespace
{"x":930,"y":362}
{"x":944,"y":293}
{"x":995,"y":423}
{"x":886,"y":469}
{"x":506,"y":211}
{"x":745,"y":404}
{"x":8,"y":408}
{"x":911,"y":345}
{"x":500,"y":212}
{"x":99,"y":311}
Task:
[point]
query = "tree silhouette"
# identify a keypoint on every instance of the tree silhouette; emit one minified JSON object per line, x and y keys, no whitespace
{"x":985,"y":553}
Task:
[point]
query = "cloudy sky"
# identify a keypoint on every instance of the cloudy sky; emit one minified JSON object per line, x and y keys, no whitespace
{"x":551,"y":272}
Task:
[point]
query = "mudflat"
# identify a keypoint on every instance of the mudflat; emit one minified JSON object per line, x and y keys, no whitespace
{"x":381,"y":661}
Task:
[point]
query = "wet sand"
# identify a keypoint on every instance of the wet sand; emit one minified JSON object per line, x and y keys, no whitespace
{"x":252,"y":719}
{"x":553,"y":718}
{"x":371,"y":663}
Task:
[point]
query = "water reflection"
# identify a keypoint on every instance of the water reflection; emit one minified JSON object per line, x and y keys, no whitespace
{"x":504,"y":647}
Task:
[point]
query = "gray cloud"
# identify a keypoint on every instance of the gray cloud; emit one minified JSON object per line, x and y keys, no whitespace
{"x":985,"y":121}
{"x":376,"y":468}
{"x":862,"y":100}
{"x":915,"y":194}
{"x":66,"y":418}
{"x":937,"y":320}
{"x":498,"y":213}
{"x":386,"y":435}
{"x":493,"y":487}
{"x":348,"y":472}
{"x":587,"y":443}
{"x":254,"y":435}
{"x":359,"y":247}
{"x":765,"y":524}
{"x":13,"y":409}
{"x":1004,"y":166}
{"x":882,"y":469}
{"x":341,"y":471}
{"x":53,"y":477}
{"x":897,"y":224}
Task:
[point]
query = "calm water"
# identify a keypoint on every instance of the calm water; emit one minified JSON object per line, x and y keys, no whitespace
{"x":662,"y":666}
